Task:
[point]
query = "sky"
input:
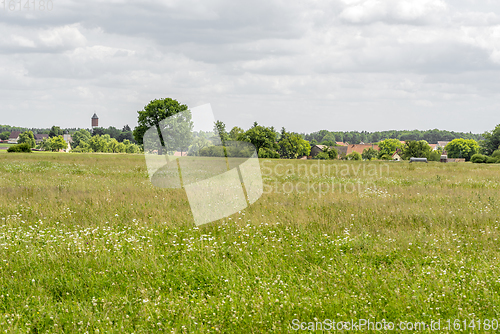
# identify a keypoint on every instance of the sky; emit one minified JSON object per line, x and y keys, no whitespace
{"x":306,"y":65}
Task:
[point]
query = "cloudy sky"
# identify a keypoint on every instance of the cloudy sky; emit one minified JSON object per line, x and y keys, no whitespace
{"x":303,"y":64}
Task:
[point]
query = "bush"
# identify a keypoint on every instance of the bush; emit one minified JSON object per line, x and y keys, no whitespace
{"x":212,"y":151}
{"x":20,"y":148}
{"x":265,"y":153}
{"x":478,"y":158}
{"x":386,"y":157}
{"x":491,"y":160}
{"x":496,"y":154}
{"x":434,"y":156}
{"x":322,"y":156}
{"x":354,"y":156}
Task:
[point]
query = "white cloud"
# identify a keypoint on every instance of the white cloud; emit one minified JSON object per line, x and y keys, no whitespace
{"x":66,"y":37}
{"x":407,"y":11}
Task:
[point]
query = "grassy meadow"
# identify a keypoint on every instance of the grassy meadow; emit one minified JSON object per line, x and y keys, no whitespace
{"x":88,"y":245}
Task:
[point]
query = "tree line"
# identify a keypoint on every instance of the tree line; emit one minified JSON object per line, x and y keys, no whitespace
{"x":354,"y":137}
{"x":270,"y":143}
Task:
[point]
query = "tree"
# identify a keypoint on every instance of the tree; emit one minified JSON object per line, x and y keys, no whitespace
{"x":416,"y":149}
{"x":113,"y":132}
{"x":389,"y":146}
{"x":220,"y":129}
{"x":261,"y":137}
{"x":4,"y":135}
{"x":80,"y":136}
{"x":55,"y":131}
{"x":291,"y":145}
{"x":154,"y":112}
{"x":84,"y":147}
{"x":329,"y":137}
{"x":28,"y":138}
{"x":198,"y":144}
{"x":235,"y":133}
{"x":98,"y":144}
{"x":491,"y":141}
{"x":369,"y":153}
{"x":128,"y":135}
{"x":126,"y":128}
{"x":98,"y":131}
{"x":57,"y":143}
{"x":462,"y":148}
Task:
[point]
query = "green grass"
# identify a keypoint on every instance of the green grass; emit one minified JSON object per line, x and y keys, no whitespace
{"x":88,"y":244}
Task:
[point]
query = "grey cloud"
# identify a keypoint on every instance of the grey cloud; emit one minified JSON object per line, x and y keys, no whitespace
{"x":257,"y":61}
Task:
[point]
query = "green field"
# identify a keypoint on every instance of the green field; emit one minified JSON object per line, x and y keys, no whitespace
{"x":87,"y":244}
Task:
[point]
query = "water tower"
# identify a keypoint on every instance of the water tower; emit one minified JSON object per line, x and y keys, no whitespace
{"x":95,"y":121}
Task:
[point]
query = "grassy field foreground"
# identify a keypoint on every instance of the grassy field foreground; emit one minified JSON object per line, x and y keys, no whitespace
{"x":87,"y":244}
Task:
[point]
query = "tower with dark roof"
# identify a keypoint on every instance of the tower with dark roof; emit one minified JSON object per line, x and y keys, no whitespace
{"x":95,"y":121}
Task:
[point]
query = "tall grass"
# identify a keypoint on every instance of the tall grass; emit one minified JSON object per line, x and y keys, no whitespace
{"x":87,"y":244}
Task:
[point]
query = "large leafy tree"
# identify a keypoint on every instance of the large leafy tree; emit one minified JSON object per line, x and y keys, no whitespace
{"x":235,"y":133}
{"x":292,"y":145}
{"x":491,"y":141}
{"x":56,"y":143}
{"x":5,"y":135}
{"x":80,"y":136}
{"x":55,"y":131}
{"x":416,"y":149}
{"x":369,"y":153}
{"x":28,"y":138}
{"x":389,"y":146}
{"x":462,"y":148}
{"x":154,"y":112}
{"x":179,"y":129}
{"x":99,"y":143}
{"x":260,"y":137}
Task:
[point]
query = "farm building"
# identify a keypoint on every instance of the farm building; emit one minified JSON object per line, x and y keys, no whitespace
{"x":14,"y":137}
{"x":396,"y":157}
{"x":317,"y":149}
{"x":360,"y":148}
{"x":441,"y":144}
{"x":40,"y":137}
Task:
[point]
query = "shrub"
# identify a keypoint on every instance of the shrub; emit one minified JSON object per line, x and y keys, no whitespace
{"x":478,"y":158}
{"x":20,"y":148}
{"x":496,"y":154}
{"x":491,"y":160}
{"x":386,"y":157}
{"x":354,"y":156}
{"x":322,"y":156}
{"x":265,"y":153}
{"x":434,"y":156}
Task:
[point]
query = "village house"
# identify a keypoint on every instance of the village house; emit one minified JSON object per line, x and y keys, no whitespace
{"x":40,"y":137}
{"x":14,"y":137}
{"x":441,"y":144}
{"x":317,"y":149}
{"x":396,"y":157}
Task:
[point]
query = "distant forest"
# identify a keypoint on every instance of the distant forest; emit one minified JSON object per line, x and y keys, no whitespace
{"x":118,"y":134}
{"x":355,"y":137}
{"x":351,"y":137}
